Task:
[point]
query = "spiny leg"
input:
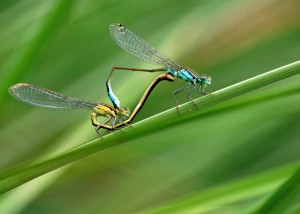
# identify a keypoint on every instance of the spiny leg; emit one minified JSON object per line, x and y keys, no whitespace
{"x":178,"y":91}
{"x":120,"y":122}
{"x":188,"y":96}
{"x":113,"y":123}
{"x":120,"y":119}
{"x":103,"y":123}
{"x":96,"y":123}
{"x":127,"y":123}
{"x":201,"y":90}
{"x":100,"y":124}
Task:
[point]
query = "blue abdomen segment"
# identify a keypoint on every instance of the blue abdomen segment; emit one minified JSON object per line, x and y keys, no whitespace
{"x":113,"y":98}
{"x":183,"y":74}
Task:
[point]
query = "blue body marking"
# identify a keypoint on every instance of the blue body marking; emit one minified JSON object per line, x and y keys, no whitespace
{"x":113,"y":98}
{"x":183,"y":74}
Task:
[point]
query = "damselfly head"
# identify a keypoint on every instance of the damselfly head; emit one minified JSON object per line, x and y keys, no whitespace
{"x":123,"y":112}
{"x":203,"y":80}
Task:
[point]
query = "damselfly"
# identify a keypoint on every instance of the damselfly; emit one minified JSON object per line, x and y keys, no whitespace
{"x":45,"y":98}
{"x":136,"y":46}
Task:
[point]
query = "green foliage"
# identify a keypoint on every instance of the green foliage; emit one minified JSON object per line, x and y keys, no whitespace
{"x":238,"y":154}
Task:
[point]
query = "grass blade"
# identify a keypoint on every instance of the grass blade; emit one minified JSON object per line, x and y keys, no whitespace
{"x":27,"y":55}
{"x":285,"y":198}
{"x":149,"y":125}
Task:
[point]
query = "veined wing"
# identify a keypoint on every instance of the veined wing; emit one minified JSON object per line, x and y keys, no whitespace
{"x":45,"y":98}
{"x":135,"y":45}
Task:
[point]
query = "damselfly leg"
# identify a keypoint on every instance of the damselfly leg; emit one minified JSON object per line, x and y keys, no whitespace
{"x":187,"y":95}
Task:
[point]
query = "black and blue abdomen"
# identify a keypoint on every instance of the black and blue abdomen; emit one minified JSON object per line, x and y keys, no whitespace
{"x":183,"y":74}
{"x":113,"y":98}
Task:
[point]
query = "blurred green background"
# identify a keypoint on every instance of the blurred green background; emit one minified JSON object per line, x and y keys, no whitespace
{"x":65,"y":46}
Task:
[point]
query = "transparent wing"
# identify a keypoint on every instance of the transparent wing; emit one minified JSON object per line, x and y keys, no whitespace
{"x":133,"y":44}
{"x":45,"y":98}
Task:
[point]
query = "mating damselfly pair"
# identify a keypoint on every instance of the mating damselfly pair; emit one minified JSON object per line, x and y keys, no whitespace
{"x":136,"y":46}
